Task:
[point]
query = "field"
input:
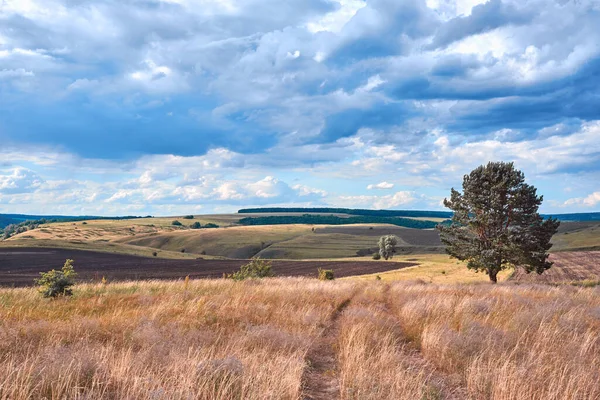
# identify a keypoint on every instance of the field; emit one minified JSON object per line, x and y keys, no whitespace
{"x":290,"y":241}
{"x":577,"y":236}
{"x":293,"y":338}
{"x":20,"y":266}
{"x":143,"y":236}
{"x":569,"y":267}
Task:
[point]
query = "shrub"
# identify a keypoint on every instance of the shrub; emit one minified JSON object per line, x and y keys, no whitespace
{"x":256,"y":268}
{"x":176,"y":223}
{"x":196,"y":225}
{"x":57,"y":283}
{"x":326,"y":274}
{"x":188,"y":217}
{"x":211,"y":225}
{"x":183,"y":250}
{"x":84,"y":223}
{"x":154,"y":253}
{"x":376,"y":256}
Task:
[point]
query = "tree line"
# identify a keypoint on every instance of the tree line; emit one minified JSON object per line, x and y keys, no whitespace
{"x":350,"y":211}
{"x":312,"y":219}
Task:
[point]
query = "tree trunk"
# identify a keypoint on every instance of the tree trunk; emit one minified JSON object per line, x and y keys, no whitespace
{"x":493,"y":274}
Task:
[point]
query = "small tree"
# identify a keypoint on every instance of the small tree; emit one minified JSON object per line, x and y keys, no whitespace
{"x":196,"y":225}
{"x":176,"y":223}
{"x":256,"y":268}
{"x":387,"y":246}
{"x":496,"y":223}
{"x":57,"y":283}
{"x":326,"y":274}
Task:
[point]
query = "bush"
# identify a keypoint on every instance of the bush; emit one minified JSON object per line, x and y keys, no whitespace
{"x":183,"y":250}
{"x":376,"y":256}
{"x":326,"y":274}
{"x":154,"y":253}
{"x":256,"y":268}
{"x":188,"y":217}
{"x":196,"y":225}
{"x":57,"y":283}
{"x":211,"y":225}
{"x":176,"y":223}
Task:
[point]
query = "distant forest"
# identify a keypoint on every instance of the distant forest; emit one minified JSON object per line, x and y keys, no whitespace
{"x":350,"y":211}
{"x":579,"y":217}
{"x":335,"y":220}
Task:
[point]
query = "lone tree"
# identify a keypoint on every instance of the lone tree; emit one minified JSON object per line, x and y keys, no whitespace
{"x":387,"y":246}
{"x":496,"y":223}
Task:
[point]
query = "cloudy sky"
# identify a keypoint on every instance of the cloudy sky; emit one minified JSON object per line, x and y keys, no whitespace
{"x":112,"y":107}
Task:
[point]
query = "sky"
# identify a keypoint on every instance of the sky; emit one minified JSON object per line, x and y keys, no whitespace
{"x":167,"y":107}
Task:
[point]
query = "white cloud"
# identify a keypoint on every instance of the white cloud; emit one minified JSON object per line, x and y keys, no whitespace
{"x":381,"y":185}
{"x":590,"y":201}
{"x":395,"y":200}
{"x":19,"y":180}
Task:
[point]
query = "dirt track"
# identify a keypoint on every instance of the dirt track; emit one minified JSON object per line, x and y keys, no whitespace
{"x":19,"y":266}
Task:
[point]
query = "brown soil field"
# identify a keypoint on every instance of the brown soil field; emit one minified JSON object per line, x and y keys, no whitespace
{"x":20,"y":266}
{"x":569,"y":267}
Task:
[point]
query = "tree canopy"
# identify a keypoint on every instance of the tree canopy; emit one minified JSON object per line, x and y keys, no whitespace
{"x":496,"y":223}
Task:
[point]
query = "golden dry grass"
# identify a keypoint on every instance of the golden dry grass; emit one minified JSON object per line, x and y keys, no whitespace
{"x":219,"y":339}
{"x":433,"y":268}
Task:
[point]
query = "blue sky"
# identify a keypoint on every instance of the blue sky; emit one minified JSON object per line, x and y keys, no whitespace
{"x":178,"y":106}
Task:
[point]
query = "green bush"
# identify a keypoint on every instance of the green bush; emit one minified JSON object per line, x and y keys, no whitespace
{"x":176,"y":223}
{"x":326,"y":274}
{"x":376,"y":256}
{"x":57,"y":283}
{"x":196,"y":225}
{"x":256,"y":268}
{"x":211,"y":225}
{"x":188,"y":217}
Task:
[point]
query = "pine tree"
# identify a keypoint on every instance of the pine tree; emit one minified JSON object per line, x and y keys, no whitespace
{"x":496,"y":223}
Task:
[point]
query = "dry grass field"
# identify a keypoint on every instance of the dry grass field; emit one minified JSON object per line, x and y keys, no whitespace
{"x":292,"y":338}
{"x":433,"y":268}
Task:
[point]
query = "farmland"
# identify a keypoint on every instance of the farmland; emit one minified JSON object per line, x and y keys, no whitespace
{"x":19,"y":266}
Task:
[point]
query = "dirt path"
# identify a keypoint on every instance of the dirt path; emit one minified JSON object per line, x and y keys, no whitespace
{"x":448,"y":387}
{"x":320,"y":379}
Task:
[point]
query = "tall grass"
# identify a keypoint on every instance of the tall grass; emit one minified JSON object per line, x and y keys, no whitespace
{"x":507,"y":342}
{"x":215,"y":340}
{"x":219,"y":339}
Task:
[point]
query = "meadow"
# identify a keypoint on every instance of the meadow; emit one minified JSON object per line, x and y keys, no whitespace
{"x":293,"y":338}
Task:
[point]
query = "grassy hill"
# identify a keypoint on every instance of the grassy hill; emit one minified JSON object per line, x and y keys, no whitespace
{"x":143,"y":236}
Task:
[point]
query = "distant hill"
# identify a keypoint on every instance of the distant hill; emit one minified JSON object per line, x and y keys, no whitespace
{"x":579,"y":217}
{"x":351,"y":211}
{"x":8,"y":219}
